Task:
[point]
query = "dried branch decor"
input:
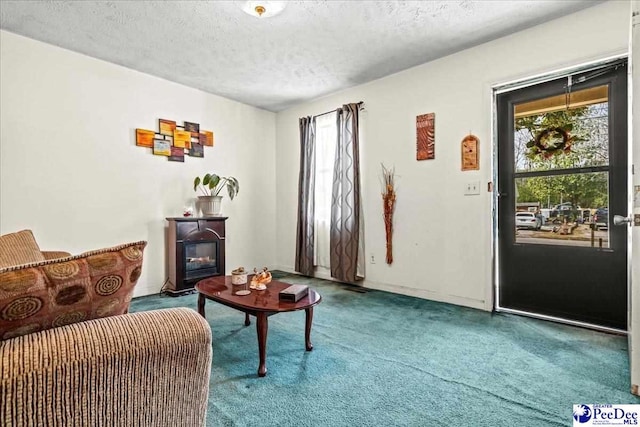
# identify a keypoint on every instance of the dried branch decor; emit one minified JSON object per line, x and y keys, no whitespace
{"x":389,"y":204}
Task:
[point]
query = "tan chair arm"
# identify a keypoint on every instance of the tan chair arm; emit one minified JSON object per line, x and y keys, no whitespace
{"x":55,"y":254}
{"x":143,"y":369}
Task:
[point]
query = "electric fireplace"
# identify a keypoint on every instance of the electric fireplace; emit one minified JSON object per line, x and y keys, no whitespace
{"x":195,"y":251}
{"x":200,"y":259}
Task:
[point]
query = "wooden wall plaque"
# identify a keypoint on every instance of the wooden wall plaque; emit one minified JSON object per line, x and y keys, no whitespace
{"x":470,"y":149}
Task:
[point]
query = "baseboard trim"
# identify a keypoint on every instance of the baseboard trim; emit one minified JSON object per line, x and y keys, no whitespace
{"x":142,"y":290}
{"x":404,"y":290}
{"x":425,"y":294}
{"x":320,"y":274}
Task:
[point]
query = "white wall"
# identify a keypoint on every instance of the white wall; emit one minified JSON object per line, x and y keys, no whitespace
{"x":442,"y":239}
{"x":71,"y":172}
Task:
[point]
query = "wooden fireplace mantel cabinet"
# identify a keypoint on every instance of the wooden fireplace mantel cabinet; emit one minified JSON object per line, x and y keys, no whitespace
{"x":195,"y":248}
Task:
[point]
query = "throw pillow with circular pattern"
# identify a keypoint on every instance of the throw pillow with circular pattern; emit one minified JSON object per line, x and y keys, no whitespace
{"x":48,"y":294}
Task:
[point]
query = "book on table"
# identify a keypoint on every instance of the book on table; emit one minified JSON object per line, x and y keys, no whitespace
{"x":294,"y":293}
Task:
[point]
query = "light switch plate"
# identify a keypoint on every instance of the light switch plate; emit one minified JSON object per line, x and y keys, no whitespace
{"x":472,"y":188}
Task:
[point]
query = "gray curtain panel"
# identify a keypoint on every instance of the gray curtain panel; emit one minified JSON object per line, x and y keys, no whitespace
{"x":306,"y":193}
{"x":345,"y":205}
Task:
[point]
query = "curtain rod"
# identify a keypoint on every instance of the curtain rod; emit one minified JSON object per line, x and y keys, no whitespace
{"x":333,"y":111}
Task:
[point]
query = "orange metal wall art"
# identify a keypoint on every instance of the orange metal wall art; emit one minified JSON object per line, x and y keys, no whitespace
{"x":174,"y":141}
{"x":426,"y":136}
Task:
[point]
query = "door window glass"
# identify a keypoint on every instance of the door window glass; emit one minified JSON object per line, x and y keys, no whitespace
{"x":568,"y":209}
{"x":548,"y":135}
{"x":561,"y":155}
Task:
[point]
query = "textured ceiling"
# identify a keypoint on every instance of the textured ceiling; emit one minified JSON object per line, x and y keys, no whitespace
{"x":311,"y":49}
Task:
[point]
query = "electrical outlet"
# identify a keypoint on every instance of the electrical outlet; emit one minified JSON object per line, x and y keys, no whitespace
{"x":372,"y":259}
{"x":472,"y":188}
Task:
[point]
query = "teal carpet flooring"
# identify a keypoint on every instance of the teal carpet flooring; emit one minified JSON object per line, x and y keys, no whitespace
{"x":382,"y":359}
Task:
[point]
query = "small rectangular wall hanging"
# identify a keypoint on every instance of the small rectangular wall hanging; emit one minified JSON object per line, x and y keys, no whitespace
{"x":144,"y":138}
{"x":206,"y":138}
{"x":166,"y":127}
{"x":196,"y":150}
{"x":177,"y":154}
{"x":182,"y":139}
{"x":194,"y":128}
{"x":470,"y":151}
{"x":426,"y":132}
{"x":161,"y":147}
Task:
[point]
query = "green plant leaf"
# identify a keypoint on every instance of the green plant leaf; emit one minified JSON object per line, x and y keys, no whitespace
{"x":231,"y":189}
{"x":213,"y":183}
{"x":236,"y":185}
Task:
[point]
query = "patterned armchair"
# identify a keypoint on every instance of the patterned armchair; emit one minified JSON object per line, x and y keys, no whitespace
{"x":70,"y":355}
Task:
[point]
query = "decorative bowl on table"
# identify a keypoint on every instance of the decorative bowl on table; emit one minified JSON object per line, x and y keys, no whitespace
{"x":260,"y":279}
{"x":239,"y":276}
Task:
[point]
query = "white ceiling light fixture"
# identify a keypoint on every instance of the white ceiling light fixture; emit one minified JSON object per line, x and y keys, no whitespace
{"x":263,"y":9}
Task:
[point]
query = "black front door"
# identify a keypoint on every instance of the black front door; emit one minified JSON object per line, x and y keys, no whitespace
{"x":562,"y":176}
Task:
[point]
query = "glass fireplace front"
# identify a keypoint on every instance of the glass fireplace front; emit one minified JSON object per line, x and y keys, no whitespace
{"x":200,"y":259}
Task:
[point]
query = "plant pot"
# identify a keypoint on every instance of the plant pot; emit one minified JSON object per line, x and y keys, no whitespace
{"x":210,"y":205}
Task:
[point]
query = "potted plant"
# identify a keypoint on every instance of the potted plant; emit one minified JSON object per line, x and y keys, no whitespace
{"x":211,"y":185}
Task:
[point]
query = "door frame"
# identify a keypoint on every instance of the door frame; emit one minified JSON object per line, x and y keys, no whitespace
{"x":512,"y":85}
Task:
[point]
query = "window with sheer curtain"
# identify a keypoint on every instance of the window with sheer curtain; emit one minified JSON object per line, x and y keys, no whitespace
{"x":330,"y":230}
{"x":326,"y":137}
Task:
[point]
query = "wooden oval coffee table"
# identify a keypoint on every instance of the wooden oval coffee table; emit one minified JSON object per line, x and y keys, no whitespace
{"x":260,"y":304}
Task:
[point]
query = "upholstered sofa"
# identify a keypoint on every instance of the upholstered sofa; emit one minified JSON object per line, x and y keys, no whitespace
{"x":71,"y":356}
